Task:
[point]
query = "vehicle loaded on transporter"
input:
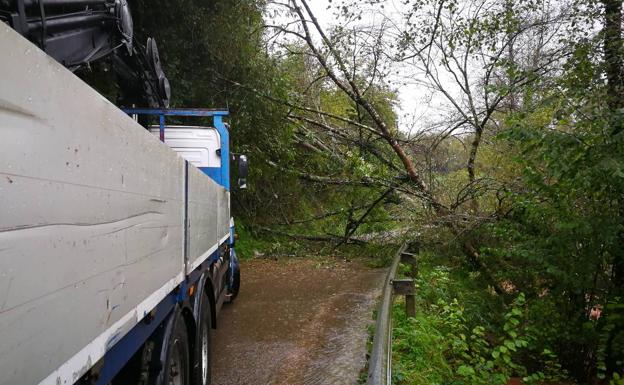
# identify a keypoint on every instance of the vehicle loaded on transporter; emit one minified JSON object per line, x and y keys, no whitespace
{"x":116,"y":249}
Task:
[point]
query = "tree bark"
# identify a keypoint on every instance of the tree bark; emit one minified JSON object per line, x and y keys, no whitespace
{"x":613,"y":55}
{"x":614,"y":67}
{"x":615,"y":86}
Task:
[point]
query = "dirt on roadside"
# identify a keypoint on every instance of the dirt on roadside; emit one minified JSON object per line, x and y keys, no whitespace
{"x":296,"y":321}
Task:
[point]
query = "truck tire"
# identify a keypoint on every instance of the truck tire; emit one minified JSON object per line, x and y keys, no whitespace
{"x":177,"y":362}
{"x":235,"y":285}
{"x":234,"y":278}
{"x":202,"y":363}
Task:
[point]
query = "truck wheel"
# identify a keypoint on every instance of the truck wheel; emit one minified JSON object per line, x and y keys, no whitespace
{"x":233,"y":276}
{"x":202,"y":350}
{"x":235,"y":285}
{"x":177,"y":362}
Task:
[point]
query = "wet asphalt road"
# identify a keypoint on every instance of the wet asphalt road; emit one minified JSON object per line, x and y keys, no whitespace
{"x":296,"y":321}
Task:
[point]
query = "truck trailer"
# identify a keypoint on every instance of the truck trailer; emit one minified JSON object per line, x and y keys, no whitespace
{"x":116,"y":241}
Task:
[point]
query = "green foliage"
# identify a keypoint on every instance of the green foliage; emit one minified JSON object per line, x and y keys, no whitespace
{"x":449,"y":344}
{"x":617,"y":379}
{"x":611,"y":341}
{"x":549,"y":218}
{"x":561,"y":241}
{"x":418,"y":350}
{"x":249,"y":244}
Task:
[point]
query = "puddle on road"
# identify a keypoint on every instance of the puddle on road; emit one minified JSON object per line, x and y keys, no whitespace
{"x":296,"y":322}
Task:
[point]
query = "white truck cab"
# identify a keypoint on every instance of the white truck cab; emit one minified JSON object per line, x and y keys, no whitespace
{"x":200,"y":146}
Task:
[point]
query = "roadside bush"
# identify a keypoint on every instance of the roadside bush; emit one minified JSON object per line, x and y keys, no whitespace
{"x":449,"y":344}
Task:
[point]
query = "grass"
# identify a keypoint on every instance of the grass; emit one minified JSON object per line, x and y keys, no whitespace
{"x":418,"y":349}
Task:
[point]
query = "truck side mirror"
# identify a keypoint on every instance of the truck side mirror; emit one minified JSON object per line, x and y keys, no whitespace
{"x":243,"y":171}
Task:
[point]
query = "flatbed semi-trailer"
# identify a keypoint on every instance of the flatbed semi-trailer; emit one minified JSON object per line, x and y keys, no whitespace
{"x":116,"y":253}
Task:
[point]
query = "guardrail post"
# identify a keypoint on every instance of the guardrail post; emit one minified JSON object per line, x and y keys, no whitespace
{"x":410,"y":304}
{"x":410,"y":298}
{"x":406,"y":287}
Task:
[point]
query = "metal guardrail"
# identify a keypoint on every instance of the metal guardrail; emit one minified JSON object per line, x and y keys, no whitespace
{"x":380,"y":362}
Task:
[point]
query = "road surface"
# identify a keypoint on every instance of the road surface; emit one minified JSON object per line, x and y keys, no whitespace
{"x":296,"y":321}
